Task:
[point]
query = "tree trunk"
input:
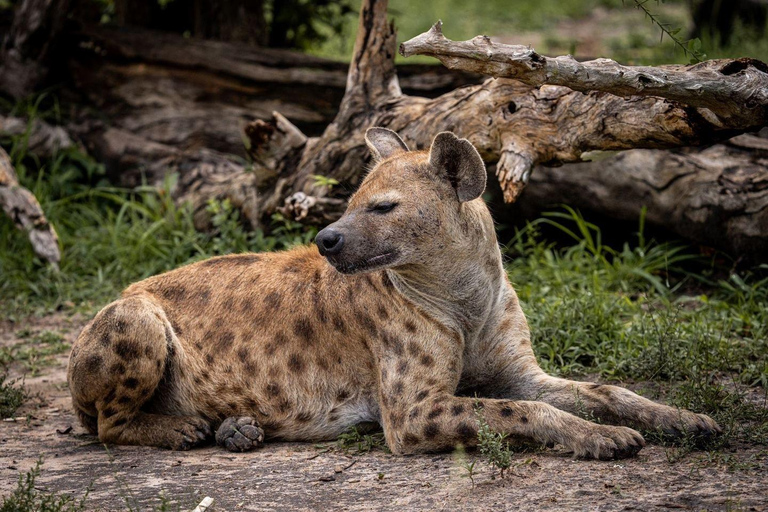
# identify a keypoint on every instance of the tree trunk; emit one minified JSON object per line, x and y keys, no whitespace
{"x":716,"y":196}
{"x":28,"y":50}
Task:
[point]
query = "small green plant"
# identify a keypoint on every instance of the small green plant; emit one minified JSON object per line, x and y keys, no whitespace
{"x":691,"y":47}
{"x":356,"y":441}
{"x":12,"y":396}
{"x":467,"y":464}
{"x":27,"y":497}
{"x":324,"y":181}
{"x":35,"y":351}
{"x":492,"y":445}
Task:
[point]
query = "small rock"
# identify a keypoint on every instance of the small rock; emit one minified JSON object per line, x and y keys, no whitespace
{"x":327,"y":478}
{"x":338,"y":468}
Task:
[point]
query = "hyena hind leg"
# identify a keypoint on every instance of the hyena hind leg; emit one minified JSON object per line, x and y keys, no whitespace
{"x":116,"y":365}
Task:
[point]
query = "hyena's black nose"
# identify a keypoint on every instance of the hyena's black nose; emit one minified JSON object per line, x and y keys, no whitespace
{"x":329,"y":241}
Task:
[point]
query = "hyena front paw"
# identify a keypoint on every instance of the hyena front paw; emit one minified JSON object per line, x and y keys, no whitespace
{"x":677,"y":423}
{"x":606,"y":442}
{"x":239,"y":434}
{"x":188,"y":432}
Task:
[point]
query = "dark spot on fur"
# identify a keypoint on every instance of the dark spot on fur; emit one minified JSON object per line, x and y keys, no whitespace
{"x":199,"y":345}
{"x":273,"y":300}
{"x":273,"y":389}
{"x":209,"y":358}
{"x":304,"y":330}
{"x":342,"y":395}
{"x":457,"y":409}
{"x":108,"y":412}
{"x":205,"y":375}
{"x":506,"y":412}
{"x":421,"y":395}
{"x":126,"y":349}
{"x":131,"y":383}
{"x":338,"y":324}
{"x":303,"y":417}
{"x":402,"y":367}
{"x":382,"y":312}
{"x":110,"y":397}
{"x":415,"y":411}
{"x":174,"y":293}
{"x":431,"y":381}
{"x":225,"y":340}
{"x":118,"y":368}
{"x":121,"y":326}
{"x":120,"y":422}
{"x":414,"y":349}
{"x":466,"y":432}
{"x":410,"y":326}
{"x":411,"y":439}
{"x":431,"y":429}
{"x":93,"y":363}
{"x":295,"y":363}
{"x":427,"y":360}
{"x":397,"y":389}
{"x":283,"y":405}
{"x":124,"y":400}
{"x":434,"y":413}
{"x":366,"y":322}
{"x":242,"y":354}
{"x":523,"y":419}
{"x":204,"y":298}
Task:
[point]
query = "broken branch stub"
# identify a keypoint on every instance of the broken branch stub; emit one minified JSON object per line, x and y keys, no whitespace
{"x":648,"y":107}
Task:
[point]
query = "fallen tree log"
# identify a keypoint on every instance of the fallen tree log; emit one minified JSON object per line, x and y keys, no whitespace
{"x":719,"y":98}
{"x":716,"y":196}
{"x":179,"y":107}
{"x":24,"y":210}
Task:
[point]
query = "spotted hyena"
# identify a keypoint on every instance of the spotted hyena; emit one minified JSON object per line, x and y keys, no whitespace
{"x":401,"y":315}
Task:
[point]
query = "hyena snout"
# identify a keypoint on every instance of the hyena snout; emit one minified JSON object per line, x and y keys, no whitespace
{"x":330,"y":241}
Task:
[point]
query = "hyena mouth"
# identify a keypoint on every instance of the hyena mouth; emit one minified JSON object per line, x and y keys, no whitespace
{"x":361,"y":266}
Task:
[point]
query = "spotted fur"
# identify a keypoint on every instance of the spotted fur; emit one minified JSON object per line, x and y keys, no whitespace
{"x":405,"y":325}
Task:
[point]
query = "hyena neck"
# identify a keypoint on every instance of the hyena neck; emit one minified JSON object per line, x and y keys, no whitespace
{"x":461,"y":290}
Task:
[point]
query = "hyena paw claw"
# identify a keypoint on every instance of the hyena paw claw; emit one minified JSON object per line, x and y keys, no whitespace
{"x":239,"y":434}
{"x":608,"y":442}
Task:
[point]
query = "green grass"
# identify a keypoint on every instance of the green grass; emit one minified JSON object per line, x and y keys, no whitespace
{"x":12,"y":395}
{"x":628,"y":35}
{"x":34,"y":351}
{"x":641,"y":313}
{"x":111,"y":237}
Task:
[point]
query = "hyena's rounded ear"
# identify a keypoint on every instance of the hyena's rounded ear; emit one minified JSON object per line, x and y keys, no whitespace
{"x":460,"y":162}
{"x":384,"y":143}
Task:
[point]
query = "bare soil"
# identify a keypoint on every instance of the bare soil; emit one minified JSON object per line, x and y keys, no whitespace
{"x":295,"y":476}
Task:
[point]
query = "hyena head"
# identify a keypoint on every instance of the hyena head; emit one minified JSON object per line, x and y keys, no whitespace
{"x":411,"y":207}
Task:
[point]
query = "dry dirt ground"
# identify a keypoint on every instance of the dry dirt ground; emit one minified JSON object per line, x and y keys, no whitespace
{"x":294,"y":476}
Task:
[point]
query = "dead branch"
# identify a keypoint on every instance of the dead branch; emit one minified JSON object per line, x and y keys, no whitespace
{"x":703,"y":103}
{"x":22,"y":207}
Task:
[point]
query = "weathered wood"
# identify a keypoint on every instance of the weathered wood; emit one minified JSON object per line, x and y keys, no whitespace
{"x":27,"y":52}
{"x":43,"y":139}
{"x":716,"y":196}
{"x":722,"y":97}
{"x":25,"y":211}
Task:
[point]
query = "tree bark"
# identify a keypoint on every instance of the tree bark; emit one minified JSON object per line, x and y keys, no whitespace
{"x":716,"y":196}
{"x":722,"y":97}
{"x":22,"y":207}
{"x":28,"y":50}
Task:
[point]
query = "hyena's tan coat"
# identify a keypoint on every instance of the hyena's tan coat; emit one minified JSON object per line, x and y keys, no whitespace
{"x":406,"y":319}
